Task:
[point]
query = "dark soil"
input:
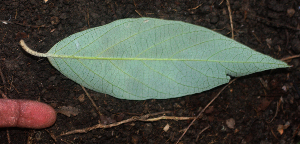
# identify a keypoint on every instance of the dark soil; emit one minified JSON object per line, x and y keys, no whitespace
{"x":267,"y":26}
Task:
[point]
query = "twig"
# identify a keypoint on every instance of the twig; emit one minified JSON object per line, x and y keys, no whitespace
{"x":88,"y":17}
{"x":3,"y":81}
{"x":256,"y":37}
{"x":290,"y":57}
{"x":33,"y":26}
{"x":202,"y":132}
{"x":273,"y":133}
{"x":52,"y":135}
{"x":221,"y":2}
{"x":230,"y":17}
{"x":287,"y":38}
{"x":8,"y":137}
{"x":135,"y":118}
{"x":277,"y":109}
{"x":12,"y":85}
{"x":2,"y":77}
{"x":3,"y":95}
{"x":201,"y":113}
{"x":278,"y":24}
{"x":264,"y":83}
{"x":196,"y":7}
{"x":296,"y":131}
{"x":138,"y":13}
{"x":168,"y":118}
{"x":94,"y":104}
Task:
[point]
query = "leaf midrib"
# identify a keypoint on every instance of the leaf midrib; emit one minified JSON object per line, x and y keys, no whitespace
{"x":151,"y":59}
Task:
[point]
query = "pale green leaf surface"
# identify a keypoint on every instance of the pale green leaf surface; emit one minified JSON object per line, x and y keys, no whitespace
{"x":146,"y":58}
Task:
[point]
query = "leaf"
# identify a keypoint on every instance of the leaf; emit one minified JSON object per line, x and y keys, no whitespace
{"x":68,"y":111}
{"x":281,"y":128}
{"x":146,"y":58}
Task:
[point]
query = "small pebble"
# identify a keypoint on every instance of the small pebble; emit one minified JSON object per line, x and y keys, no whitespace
{"x":214,"y":19}
{"x":290,"y":12}
{"x":166,"y":128}
{"x":230,"y":123}
{"x":81,"y":98}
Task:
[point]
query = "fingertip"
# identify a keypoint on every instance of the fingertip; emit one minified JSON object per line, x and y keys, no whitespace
{"x":26,"y":114}
{"x":36,"y":115}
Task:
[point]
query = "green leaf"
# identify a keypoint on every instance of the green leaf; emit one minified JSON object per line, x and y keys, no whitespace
{"x":146,"y":58}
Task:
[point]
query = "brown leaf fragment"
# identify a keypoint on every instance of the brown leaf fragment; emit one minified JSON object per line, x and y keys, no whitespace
{"x":120,"y":117}
{"x":106,"y":120}
{"x":211,"y":118}
{"x":264,"y":104}
{"x":290,"y":12}
{"x":281,"y":128}
{"x":68,"y":111}
{"x":103,"y":119}
{"x":210,"y":109}
{"x":21,"y":35}
{"x":135,"y":139}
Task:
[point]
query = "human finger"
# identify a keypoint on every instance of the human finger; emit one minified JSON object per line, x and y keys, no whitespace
{"x":26,"y":114}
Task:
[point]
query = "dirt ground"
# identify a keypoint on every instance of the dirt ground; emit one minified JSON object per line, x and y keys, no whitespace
{"x":268,"y":26}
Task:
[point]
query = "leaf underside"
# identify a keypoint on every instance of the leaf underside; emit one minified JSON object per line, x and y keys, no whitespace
{"x":146,"y":58}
